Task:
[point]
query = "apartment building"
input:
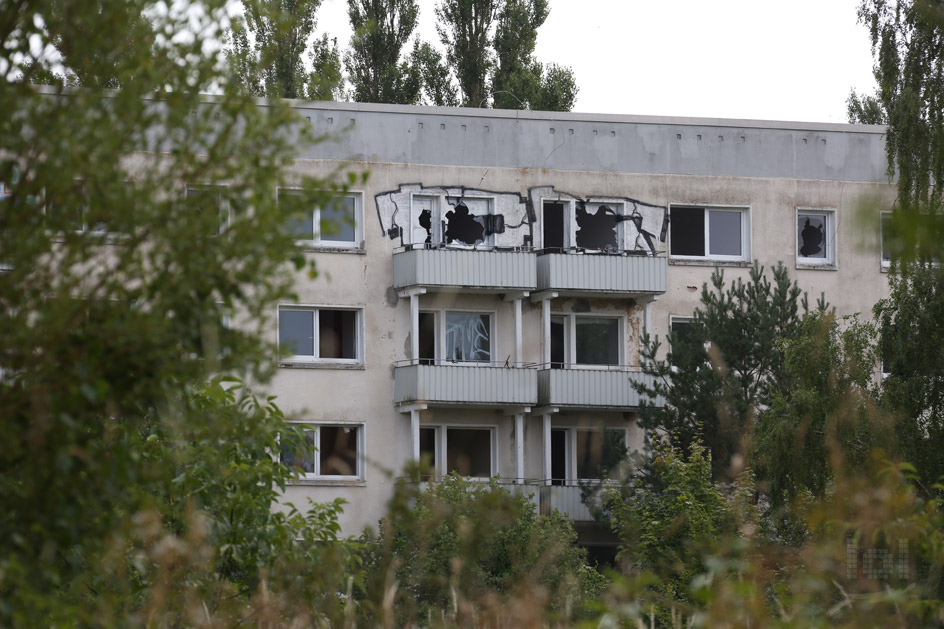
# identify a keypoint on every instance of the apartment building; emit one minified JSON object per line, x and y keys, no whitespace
{"x":482,"y":297}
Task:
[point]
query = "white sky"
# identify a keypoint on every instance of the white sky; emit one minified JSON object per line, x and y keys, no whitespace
{"x":754,"y":59}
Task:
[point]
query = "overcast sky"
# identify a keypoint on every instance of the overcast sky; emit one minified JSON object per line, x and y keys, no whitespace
{"x":754,"y":59}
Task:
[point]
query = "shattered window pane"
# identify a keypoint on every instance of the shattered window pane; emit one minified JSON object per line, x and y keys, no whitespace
{"x":337,"y":220}
{"x":464,"y":227}
{"x":811,"y":232}
{"x":338,"y":451}
{"x":597,"y":340}
{"x":468,"y":337}
{"x":688,"y":231}
{"x":596,"y":227}
{"x":724,"y":232}
{"x":469,"y":452}
{"x":296,"y":332}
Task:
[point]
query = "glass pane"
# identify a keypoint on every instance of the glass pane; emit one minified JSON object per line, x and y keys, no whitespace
{"x":811,"y":235}
{"x":296,"y":332}
{"x":338,"y":452}
{"x":597,"y":341}
{"x":688,"y":231}
{"x":724,"y":232}
{"x":599,"y":451}
{"x":468,"y":337}
{"x":337,"y":334}
{"x":469,"y":452}
{"x":337,"y":220}
{"x":301,"y":455}
{"x":300,"y":211}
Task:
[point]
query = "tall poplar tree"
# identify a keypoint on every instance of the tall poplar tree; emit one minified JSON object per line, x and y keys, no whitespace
{"x":376,"y":68}
{"x":465,"y":29}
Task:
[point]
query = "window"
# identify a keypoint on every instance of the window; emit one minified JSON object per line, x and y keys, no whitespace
{"x":463,"y":221}
{"x":319,"y":334}
{"x":683,"y":328}
{"x":85,"y":208}
{"x":584,"y":225}
{"x":585,"y":340}
{"x":325,"y":451}
{"x":585,"y":453}
{"x":816,"y":237}
{"x":712,"y":233}
{"x":336,"y":224}
{"x":470,"y":451}
{"x":455,"y":336}
{"x":212,"y":202}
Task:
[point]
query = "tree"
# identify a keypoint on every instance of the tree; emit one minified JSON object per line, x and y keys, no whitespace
{"x":136,"y":483}
{"x":381,"y":30}
{"x":437,"y":81}
{"x":464,"y":27}
{"x":722,"y":371}
{"x":268,"y":46}
{"x":865,"y":109}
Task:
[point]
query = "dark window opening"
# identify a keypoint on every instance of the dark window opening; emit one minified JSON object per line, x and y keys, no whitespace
{"x":427,"y":338}
{"x":428,"y":452}
{"x":688,"y":231}
{"x":558,"y":456}
{"x":337,"y":334}
{"x":553,"y":226}
{"x":463,"y":227}
{"x":597,"y":340}
{"x":469,"y":452}
{"x":596,"y":230}
{"x":338,"y":452}
{"x":558,"y":343}
{"x":599,"y":452}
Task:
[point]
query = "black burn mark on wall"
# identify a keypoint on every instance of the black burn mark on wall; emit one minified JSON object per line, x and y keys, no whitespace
{"x":463,"y":227}
{"x":596,"y":231}
{"x":426,"y":222}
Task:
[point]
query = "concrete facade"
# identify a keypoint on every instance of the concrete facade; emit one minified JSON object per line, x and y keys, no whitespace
{"x":505,"y":343}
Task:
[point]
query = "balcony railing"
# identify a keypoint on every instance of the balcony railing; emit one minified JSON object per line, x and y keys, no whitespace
{"x":623,"y":272}
{"x":487,"y":269}
{"x":473,"y":384}
{"x":584,"y":386}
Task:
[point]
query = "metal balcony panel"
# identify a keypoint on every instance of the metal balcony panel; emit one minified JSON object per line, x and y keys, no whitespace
{"x":601,"y":273}
{"x":589,"y":388}
{"x":447,"y":385}
{"x":465,"y":268}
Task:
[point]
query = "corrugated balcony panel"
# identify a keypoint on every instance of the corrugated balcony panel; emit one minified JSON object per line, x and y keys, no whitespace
{"x":465,"y":385}
{"x":603,"y":273}
{"x":466,"y":268}
{"x":589,"y":388}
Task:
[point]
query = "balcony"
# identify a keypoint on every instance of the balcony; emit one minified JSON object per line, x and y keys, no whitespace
{"x":480,"y":384}
{"x":583,"y":387}
{"x":488,"y":270}
{"x":621,"y":273}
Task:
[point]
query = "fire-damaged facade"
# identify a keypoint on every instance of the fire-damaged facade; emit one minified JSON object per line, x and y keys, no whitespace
{"x":481,"y":300}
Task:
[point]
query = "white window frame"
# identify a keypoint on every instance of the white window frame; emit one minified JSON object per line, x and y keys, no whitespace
{"x":435,"y":219}
{"x":441,"y":448}
{"x":316,"y":242}
{"x":745,"y":212}
{"x":445,"y":206}
{"x":570,"y":339}
{"x":570,"y":220}
{"x":359,"y":474}
{"x":570,"y":450}
{"x":831,"y":260}
{"x":440,"y":343}
{"x":315,"y":358}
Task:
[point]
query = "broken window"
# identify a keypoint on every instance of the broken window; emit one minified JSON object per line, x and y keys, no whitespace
{"x":553,"y":226}
{"x":469,"y":221}
{"x":468,"y":337}
{"x":335,"y":225}
{"x":585,"y":453}
{"x":816,"y":232}
{"x":313,"y":334}
{"x":596,"y":226}
{"x":709,"y":233}
{"x":423,"y":220}
{"x":578,"y":340}
{"x":329,"y":451}
{"x":469,"y":451}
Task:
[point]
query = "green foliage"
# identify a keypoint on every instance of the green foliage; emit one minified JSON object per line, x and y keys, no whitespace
{"x":459,"y":545}
{"x":437,"y":80}
{"x":381,"y":30}
{"x":464,"y":27}
{"x":865,"y":109}
{"x":715,"y":380}
{"x":818,"y":418}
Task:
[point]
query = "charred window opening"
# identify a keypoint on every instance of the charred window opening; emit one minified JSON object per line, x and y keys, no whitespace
{"x":463,"y":227}
{"x":596,"y":227}
{"x":469,"y":451}
{"x":311,"y":334}
{"x":688,"y":231}
{"x":552,"y":222}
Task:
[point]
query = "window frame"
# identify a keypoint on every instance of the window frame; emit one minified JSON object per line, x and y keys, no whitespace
{"x":571,"y":465}
{"x":570,"y":340}
{"x":440,"y":461}
{"x":316,"y":241}
{"x":315,"y":359}
{"x":745,"y":214}
{"x":444,"y":204}
{"x":439,"y":341}
{"x":570,"y":222}
{"x":831,"y":260}
{"x":360,"y":455}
